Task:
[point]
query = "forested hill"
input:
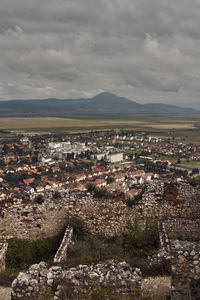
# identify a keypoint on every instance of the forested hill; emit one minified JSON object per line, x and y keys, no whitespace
{"x":102,"y":104}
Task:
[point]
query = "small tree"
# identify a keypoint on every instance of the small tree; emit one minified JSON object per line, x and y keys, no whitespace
{"x":90,"y":187}
{"x":56,"y":195}
{"x":109,"y":180}
{"x":39,"y":199}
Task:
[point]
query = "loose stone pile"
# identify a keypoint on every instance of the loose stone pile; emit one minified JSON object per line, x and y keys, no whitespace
{"x":122,"y":275}
{"x":83,"y":278}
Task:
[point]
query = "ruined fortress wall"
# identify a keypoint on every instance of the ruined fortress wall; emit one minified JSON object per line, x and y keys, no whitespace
{"x":3,"y":249}
{"x":26,"y":219}
{"x":179,"y":213}
{"x":30,"y":220}
{"x":185,"y":270}
{"x":180,"y":228}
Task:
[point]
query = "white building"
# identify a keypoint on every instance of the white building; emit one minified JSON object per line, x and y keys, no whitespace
{"x":115,"y":157}
{"x":101,"y":156}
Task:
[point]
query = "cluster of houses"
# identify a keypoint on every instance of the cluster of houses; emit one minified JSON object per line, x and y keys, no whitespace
{"x":36,"y":166}
{"x":143,"y":142}
{"x":161,"y":147}
{"x":38,"y":163}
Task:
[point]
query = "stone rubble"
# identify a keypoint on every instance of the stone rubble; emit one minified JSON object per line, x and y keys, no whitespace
{"x":83,"y":277}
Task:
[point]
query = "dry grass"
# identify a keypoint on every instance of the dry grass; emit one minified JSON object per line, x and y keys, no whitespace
{"x":172,"y":126}
{"x":78,"y":124}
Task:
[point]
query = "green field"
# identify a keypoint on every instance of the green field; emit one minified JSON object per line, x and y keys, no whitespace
{"x":177,"y":127}
{"x":53,"y":122}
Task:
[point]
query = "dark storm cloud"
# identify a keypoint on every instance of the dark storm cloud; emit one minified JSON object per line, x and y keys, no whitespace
{"x":147,"y":50}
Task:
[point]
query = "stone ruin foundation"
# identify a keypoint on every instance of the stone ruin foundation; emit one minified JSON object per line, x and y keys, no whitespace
{"x":82,"y":278}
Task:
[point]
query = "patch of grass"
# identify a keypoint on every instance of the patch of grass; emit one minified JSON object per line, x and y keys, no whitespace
{"x":44,"y":293}
{"x":185,"y":136}
{"x":136,"y":244}
{"x":160,"y":124}
{"x":7,"y":276}
{"x":22,"y":253}
{"x":163,"y":269}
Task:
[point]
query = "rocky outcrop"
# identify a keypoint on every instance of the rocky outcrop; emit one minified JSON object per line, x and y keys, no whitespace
{"x":82,"y":278}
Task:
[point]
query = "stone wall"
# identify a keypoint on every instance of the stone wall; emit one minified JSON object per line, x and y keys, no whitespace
{"x":164,"y":252}
{"x":30,"y":220}
{"x":22,"y":217}
{"x":180,"y":214}
{"x":185,"y":270}
{"x":62,"y":250}
{"x":183,"y":228}
{"x":186,"y":205}
{"x":81,"y":278}
{"x":3,"y":250}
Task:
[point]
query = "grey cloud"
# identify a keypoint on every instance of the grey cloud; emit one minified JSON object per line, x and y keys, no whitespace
{"x":147,"y":50}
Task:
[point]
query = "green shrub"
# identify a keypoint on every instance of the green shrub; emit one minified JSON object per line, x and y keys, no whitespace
{"x":90,"y":187}
{"x":78,"y":227}
{"x":22,"y":253}
{"x":44,"y":293}
{"x":56,"y":195}
{"x":7,"y":276}
{"x":39,"y":199}
{"x":132,"y":246}
{"x":100,"y":192}
{"x":135,"y":200}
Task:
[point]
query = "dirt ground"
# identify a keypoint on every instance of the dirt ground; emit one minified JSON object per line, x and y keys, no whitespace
{"x":5,"y":293}
{"x":158,"y":286}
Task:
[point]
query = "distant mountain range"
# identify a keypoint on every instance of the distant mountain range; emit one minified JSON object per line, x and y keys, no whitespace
{"x":103,"y":104}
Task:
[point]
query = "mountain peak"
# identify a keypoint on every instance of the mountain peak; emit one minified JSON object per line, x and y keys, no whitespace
{"x":112,"y":98}
{"x":106,"y":95}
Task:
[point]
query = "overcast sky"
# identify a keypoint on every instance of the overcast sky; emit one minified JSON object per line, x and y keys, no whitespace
{"x":146,"y":50}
